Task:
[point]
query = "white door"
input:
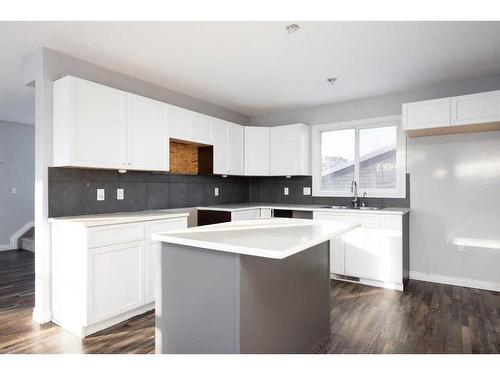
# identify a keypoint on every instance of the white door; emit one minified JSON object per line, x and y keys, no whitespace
{"x":99,"y":125}
{"x":236,"y":146}
{"x":201,"y":129}
{"x":256,"y":151}
{"x":221,"y":146}
{"x":151,"y":264}
{"x":116,"y":280}
{"x":180,"y":123}
{"x":426,"y":114}
{"x":147,"y":134}
{"x":477,"y":108}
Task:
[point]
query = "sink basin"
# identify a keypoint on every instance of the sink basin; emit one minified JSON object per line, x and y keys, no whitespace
{"x":352,"y":208}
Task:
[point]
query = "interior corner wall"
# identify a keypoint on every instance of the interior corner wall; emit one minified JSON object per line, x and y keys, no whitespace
{"x":455,"y":180}
{"x":40,"y":70}
{"x":17,"y":169}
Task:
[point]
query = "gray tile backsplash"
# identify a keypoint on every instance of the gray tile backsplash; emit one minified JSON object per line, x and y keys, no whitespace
{"x":72,"y":191}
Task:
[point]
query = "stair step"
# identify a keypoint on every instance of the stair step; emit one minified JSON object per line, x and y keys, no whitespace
{"x":27,"y":244}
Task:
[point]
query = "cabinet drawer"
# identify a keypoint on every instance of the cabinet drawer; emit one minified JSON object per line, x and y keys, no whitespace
{"x":114,"y":234}
{"x":392,"y":222}
{"x":366,"y":221}
{"x":164,"y":226}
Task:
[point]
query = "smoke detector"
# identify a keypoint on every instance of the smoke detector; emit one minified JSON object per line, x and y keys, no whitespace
{"x":292,"y":28}
{"x":331,"y":80}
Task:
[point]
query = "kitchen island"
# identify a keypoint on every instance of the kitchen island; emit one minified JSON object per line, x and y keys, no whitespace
{"x":256,"y":286}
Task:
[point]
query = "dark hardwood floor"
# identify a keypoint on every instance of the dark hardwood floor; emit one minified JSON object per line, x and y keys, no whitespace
{"x":426,"y":318}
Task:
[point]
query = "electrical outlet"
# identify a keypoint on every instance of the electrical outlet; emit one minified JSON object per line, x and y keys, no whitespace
{"x":100,"y":194}
{"x":306,"y":190}
{"x":285,"y":190}
{"x":13,"y":190}
{"x":120,"y":193}
{"x":461,"y":248}
{"x":216,"y":191}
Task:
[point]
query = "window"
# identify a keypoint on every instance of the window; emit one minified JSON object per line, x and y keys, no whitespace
{"x":370,"y":152}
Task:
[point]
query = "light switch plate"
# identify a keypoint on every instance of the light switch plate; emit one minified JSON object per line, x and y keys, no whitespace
{"x":285,"y":190}
{"x":120,"y":194}
{"x":100,"y":194}
{"x":13,"y":190}
{"x":306,"y":190}
{"x":216,"y":191}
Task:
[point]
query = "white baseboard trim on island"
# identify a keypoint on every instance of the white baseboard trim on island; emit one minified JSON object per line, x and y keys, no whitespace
{"x":42,"y":317}
{"x":378,"y":284}
{"x":457,"y":281}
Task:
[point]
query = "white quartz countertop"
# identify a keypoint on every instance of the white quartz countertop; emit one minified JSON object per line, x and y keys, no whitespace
{"x":275,"y":238}
{"x":119,"y":217}
{"x":304,"y":207}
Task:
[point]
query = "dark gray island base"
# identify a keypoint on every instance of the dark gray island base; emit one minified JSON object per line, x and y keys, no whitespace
{"x":220,"y":302}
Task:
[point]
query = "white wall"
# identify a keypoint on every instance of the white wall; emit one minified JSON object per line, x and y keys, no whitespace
{"x":454,"y":185}
{"x":17,"y":169}
{"x":454,"y":189}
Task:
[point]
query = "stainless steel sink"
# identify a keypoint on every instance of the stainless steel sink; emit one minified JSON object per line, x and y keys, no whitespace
{"x":352,"y":208}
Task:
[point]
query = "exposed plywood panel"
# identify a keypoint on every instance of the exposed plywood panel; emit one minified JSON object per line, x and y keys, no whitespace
{"x":183,"y":158}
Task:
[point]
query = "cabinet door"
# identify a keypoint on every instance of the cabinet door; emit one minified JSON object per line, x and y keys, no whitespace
{"x":99,"y":125}
{"x":236,"y":146}
{"x":221,"y":146}
{"x":151,"y":264}
{"x":147,"y":134}
{"x":266,"y":213}
{"x":374,"y":254}
{"x":115,"y":280}
{"x":476,"y":108}
{"x":180,"y":123}
{"x":289,"y":150}
{"x":201,"y":128}
{"x":337,"y":255}
{"x":256,"y":151}
{"x":245,"y":215}
{"x":426,"y":114}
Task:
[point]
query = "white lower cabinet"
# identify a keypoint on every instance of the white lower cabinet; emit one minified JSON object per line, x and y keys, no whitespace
{"x":246,"y":214}
{"x":373,"y":253}
{"x":105,"y":274}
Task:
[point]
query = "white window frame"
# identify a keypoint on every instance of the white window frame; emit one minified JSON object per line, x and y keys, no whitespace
{"x":398,"y":192}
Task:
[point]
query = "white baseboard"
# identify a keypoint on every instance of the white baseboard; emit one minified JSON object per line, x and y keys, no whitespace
{"x":18,"y":234}
{"x":42,"y":317}
{"x":469,"y":283}
{"x":7,"y":247}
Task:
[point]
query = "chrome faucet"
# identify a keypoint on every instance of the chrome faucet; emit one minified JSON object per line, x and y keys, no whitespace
{"x":363,"y":201}
{"x":354,"y":191}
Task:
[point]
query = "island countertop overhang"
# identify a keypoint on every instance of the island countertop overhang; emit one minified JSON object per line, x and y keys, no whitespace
{"x":275,"y":238}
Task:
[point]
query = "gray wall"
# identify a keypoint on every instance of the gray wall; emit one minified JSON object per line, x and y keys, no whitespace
{"x":379,"y":106}
{"x":17,"y":169}
{"x":454,"y":194}
{"x":461,"y":204}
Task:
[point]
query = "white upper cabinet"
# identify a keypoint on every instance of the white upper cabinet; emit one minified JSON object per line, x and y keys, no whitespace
{"x":147,"y":134}
{"x":476,"y":108}
{"x":89,"y":127}
{"x":256,"y":151}
{"x":96,"y":126}
{"x":458,"y":114}
{"x":201,"y":128}
{"x":220,"y":132}
{"x":236,"y":148}
{"x":180,"y":123}
{"x":190,"y":126}
{"x":426,"y":114}
{"x":289,"y":149}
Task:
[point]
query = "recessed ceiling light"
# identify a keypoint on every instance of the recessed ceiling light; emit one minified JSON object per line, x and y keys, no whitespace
{"x":292,"y":28}
{"x":331,"y":81}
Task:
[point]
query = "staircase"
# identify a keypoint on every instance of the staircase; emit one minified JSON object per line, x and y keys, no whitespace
{"x":27,"y":240}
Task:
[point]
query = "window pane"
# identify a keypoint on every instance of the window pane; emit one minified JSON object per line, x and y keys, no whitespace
{"x":377,"y":158}
{"x":337,"y":159}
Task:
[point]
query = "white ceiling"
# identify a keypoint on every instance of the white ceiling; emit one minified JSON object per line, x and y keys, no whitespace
{"x":256,"y":67}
